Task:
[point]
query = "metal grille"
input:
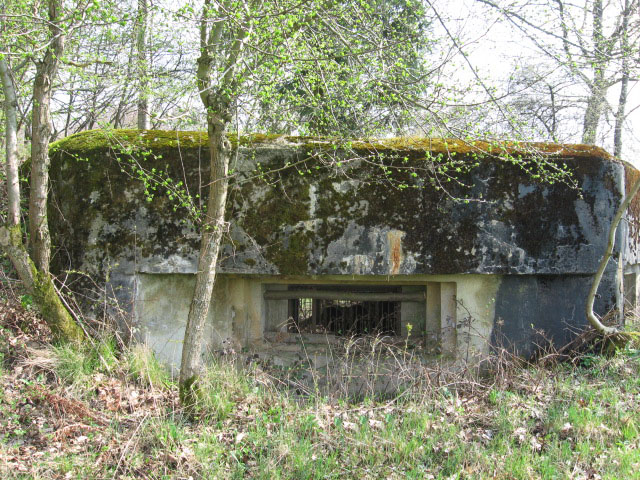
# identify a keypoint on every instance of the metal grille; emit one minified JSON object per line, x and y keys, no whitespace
{"x":344,"y":317}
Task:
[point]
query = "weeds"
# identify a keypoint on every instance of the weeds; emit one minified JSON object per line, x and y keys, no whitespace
{"x":103,"y":412}
{"x":145,"y":369}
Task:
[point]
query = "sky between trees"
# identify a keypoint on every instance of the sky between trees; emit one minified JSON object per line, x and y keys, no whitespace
{"x":509,"y":71}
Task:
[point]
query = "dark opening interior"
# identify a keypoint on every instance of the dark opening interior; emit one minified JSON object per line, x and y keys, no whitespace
{"x":345,"y":317}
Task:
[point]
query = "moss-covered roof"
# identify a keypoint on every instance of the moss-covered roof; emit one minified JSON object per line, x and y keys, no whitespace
{"x":161,"y":139}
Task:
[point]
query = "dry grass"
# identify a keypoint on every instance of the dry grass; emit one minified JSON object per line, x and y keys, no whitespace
{"x":101,"y":412}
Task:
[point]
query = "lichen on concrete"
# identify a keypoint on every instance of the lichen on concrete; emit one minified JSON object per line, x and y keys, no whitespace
{"x":302,"y":209}
{"x":490,"y":218}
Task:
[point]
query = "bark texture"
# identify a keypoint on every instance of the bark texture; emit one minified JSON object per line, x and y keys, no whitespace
{"x":143,"y":66}
{"x":598,"y":87}
{"x":41,"y":287}
{"x":595,"y":107}
{"x":624,"y":83}
{"x":216,"y":91}
{"x":39,"y":187}
{"x":214,"y":227}
{"x":35,"y":275}
{"x":11,"y":142}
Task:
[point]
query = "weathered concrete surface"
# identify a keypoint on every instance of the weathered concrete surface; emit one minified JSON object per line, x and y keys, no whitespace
{"x":162,"y":306}
{"x":241,"y":315}
{"x":302,"y":209}
{"x":529,"y":312}
{"x":335,"y":220}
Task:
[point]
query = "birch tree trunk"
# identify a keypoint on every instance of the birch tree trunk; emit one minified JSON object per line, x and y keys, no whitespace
{"x":598,"y":87}
{"x":620,"y":113}
{"x":11,"y":142}
{"x":595,"y":107}
{"x":143,"y":66}
{"x":624,"y":84}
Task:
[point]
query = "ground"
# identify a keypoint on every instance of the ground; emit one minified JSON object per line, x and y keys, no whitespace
{"x":106,"y":411}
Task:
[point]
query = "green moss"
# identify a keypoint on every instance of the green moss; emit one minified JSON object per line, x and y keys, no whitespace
{"x":392,"y":184}
{"x":292,"y":257}
{"x":88,"y":200}
{"x":63,"y":327}
{"x":481,"y":147}
{"x":123,"y":139}
{"x":285,"y":204}
{"x":160,"y":139}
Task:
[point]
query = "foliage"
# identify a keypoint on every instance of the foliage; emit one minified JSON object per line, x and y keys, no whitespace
{"x":582,"y":52}
{"x":554,"y":421}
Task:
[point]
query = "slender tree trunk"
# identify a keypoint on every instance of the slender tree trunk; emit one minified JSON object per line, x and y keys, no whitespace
{"x":598,"y":88}
{"x":213,"y":229}
{"x":611,"y":239}
{"x":124,"y":91}
{"x":143,"y":66}
{"x":213,"y":224}
{"x":620,"y":115}
{"x":11,"y":141}
{"x":38,"y":283}
{"x":72,"y":97}
{"x":216,"y":97}
{"x":95,"y":90}
{"x":554,"y":115}
{"x":39,"y":187}
{"x":595,"y":106}
{"x":624,"y":84}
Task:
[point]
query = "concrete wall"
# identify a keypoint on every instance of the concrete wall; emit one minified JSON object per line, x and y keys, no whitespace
{"x":509,"y":267}
{"x":458,"y":311}
{"x":464,"y":316}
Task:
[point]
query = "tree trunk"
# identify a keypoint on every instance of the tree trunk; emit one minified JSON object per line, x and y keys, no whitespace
{"x":40,"y":285}
{"x":39,"y":187}
{"x":143,"y":66}
{"x":213,"y":229}
{"x":118,"y":117}
{"x":598,"y":88}
{"x":591,"y":316}
{"x":11,"y":142}
{"x":620,"y":115}
{"x":595,"y":105}
{"x":37,"y":283}
{"x":624,"y":85}
{"x":216,"y":97}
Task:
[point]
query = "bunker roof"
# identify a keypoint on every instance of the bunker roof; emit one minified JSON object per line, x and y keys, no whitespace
{"x":162,"y":139}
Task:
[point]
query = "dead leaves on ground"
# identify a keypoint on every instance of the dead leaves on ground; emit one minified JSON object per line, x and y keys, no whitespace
{"x":44,"y":424}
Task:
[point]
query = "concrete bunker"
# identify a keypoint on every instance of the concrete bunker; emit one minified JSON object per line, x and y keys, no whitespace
{"x":329,"y":241}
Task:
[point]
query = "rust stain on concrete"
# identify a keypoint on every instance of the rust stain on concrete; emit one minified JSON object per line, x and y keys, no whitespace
{"x":394,"y":242}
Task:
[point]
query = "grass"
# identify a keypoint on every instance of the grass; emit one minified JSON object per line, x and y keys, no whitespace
{"x":96,"y":412}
